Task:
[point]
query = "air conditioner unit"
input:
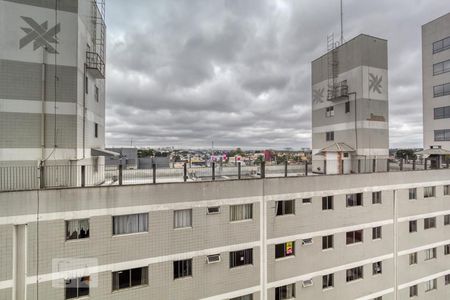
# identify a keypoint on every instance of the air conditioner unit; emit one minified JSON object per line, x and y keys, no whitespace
{"x":307,"y":241}
{"x":214,"y":258}
{"x":307,"y":283}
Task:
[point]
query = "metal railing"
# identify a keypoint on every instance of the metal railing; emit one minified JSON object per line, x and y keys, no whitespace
{"x":13,"y":178}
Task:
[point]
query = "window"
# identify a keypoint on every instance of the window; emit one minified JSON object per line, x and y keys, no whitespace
{"x":241,"y":212}
{"x":442,"y":112}
{"x":447,"y":249}
{"x":413,"y":258}
{"x":77,"y":287}
{"x":330,"y":136}
{"x":285,"y":207}
{"x":376,"y":198}
{"x":330,"y":112}
{"x":441,"y":90}
{"x":413,"y":194}
{"x":442,"y":135}
{"x":447,"y":279}
{"x":442,"y":67}
{"x":86,"y":85}
{"x":241,"y":258}
{"x":429,"y":191}
{"x":441,"y":45}
{"x":306,"y":200}
{"x":413,"y":226}
{"x":96,"y":93}
{"x":327,"y":202}
{"x":213,"y":210}
{"x":355,"y":273}
{"x":377,"y":268}
{"x":430,"y":285}
{"x":447,"y":190}
{"x":182,"y":218}
{"x":285,"y":292}
{"x":446,"y":220}
{"x":129,"y":278}
{"x":429,"y":223}
{"x":182,"y":268}
{"x":327,"y":281}
{"x":96,"y":130}
{"x":347,"y":107}
{"x":285,"y":249}
{"x":354,"y":237}
{"x":130,"y":224}
{"x":413,"y":291}
{"x":246,"y":297}
{"x":327,"y":242}
{"x":430,"y":253}
{"x":77,"y":229}
{"x":376,"y":233}
{"x":354,"y":199}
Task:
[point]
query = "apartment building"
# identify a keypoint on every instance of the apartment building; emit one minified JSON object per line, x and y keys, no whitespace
{"x":52,"y":90}
{"x":363,"y":236}
{"x":436,"y":82}
{"x":350,"y":106}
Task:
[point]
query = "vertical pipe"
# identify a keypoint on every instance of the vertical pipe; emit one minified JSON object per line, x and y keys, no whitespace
{"x":263,"y":169}
{"x":414,"y":165}
{"x":185,"y":172}
{"x":83,"y":176}
{"x":395,"y":237}
{"x":374,"y":165}
{"x":154,"y":172}
{"x":239,"y":170}
{"x":120,"y":173}
{"x":213,"y":170}
{"x":306,"y":168}
{"x":426,"y":163}
{"x":43,"y":92}
{"x":286,"y":168}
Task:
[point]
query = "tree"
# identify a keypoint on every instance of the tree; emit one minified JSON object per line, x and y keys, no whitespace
{"x":145,"y":153}
{"x":405,"y":154}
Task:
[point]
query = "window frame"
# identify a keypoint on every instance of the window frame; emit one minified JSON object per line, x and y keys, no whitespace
{"x":283,"y":209}
{"x":441,"y":44}
{"x":284,"y":252}
{"x":247,"y":212}
{"x":178,"y":212}
{"x":377,"y":197}
{"x":429,"y":223}
{"x":352,"y":239}
{"x":429,"y":192}
{"x":116,"y":280}
{"x":445,"y":133}
{"x":413,"y":259}
{"x":412,"y":226}
{"x":67,"y":223}
{"x":430,"y":285}
{"x":447,"y":249}
{"x":326,"y":241}
{"x":354,"y":274}
{"x":144,"y":230}
{"x":413,"y":291}
{"x":236,"y":258}
{"x":288,"y":291}
{"x":78,"y":280}
{"x":329,"y":136}
{"x":430,"y":254}
{"x":351,"y":202}
{"x":377,"y":233}
{"x":95,"y":130}
{"x":446,"y":190}
{"x":182,"y":268}
{"x":377,"y":268}
{"x":440,"y":113}
{"x":328,"y":281}
{"x":412,"y":192}
{"x":328,"y":203}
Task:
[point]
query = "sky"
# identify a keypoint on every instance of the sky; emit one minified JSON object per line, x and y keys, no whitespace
{"x":184,"y":73}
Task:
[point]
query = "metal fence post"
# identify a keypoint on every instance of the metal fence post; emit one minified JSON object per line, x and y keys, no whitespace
{"x":42,"y":177}
{"x":213,"y":170}
{"x":120,"y":174}
{"x":286,"y":168}
{"x":425,"y":162}
{"x":83,"y":176}
{"x":306,"y":168}
{"x":263,"y":169}
{"x":414,"y":165}
{"x":154,"y":172}
{"x":185,"y":172}
{"x":239,"y":170}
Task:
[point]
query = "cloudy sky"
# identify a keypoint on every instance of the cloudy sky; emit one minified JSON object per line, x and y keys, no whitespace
{"x":184,"y":73}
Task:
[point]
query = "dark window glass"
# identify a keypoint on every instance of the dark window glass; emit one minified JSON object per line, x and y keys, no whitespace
{"x":353,"y":237}
{"x":327,"y":281}
{"x":413,"y":226}
{"x":129,"y":278}
{"x":354,"y":199}
{"x":96,"y":130}
{"x":327,"y":242}
{"x":327,"y":202}
{"x":442,"y":112}
{"x":347,"y":107}
{"x":182,"y":268}
{"x":376,"y":233}
{"x":330,"y":136}
{"x":241,"y":258}
{"x":285,"y":207}
{"x":285,"y":249}
{"x":285,"y":292}
{"x":355,"y":273}
{"x":442,"y":135}
{"x":77,"y":229}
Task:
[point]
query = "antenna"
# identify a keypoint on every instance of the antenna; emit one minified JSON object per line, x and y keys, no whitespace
{"x":342,"y":24}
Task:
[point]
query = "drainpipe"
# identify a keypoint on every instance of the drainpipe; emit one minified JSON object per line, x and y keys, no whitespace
{"x":43,"y":92}
{"x":84,"y":111}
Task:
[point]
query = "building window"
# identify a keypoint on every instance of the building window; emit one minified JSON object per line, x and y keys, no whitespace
{"x":354,"y":237}
{"x":376,"y":233}
{"x":246,"y":297}
{"x":327,"y":202}
{"x":447,"y":190}
{"x":182,"y":268}
{"x":241,"y":212}
{"x":429,"y":223}
{"x":429,"y":191}
{"x":355,"y":273}
{"x":377,"y":268}
{"x":447,"y":220}
{"x":285,"y":292}
{"x":96,"y":93}
{"x":182,"y":218}
{"x":285,"y":249}
{"x":285,"y":207}
{"x":430,"y":253}
{"x":442,"y":67}
{"x":347,"y":107}
{"x":442,"y":135}
{"x":442,"y":112}
{"x":441,"y":45}
{"x":376,"y":198}
{"x":95,"y":130}
{"x":447,"y":249}
{"x":77,"y":229}
{"x":327,"y":242}
{"x":330,"y":136}
{"x":354,"y":199}
{"x":413,"y":194}
{"x":77,"y":287}
{"x":330,"y":112}
{"x":441,"y":90}
{"x":213,"y":210}
{"x":413,"y":291}
{"x":413,"y":258}
{"x":430,"y":285}
{"x":327,"y":281}
{"x":447,"y":279}
{"x":130,"y":224}
{"x":241,"y":258}
{"x":413,"y":226}
{"x":306,"y":200}
{"x":129,"y":278}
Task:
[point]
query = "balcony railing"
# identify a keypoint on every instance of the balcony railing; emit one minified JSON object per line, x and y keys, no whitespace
{"x":95,"y":65}
{"x":338,"y":92}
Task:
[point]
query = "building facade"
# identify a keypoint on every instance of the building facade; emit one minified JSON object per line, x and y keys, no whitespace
{"x":52,"y":90}
{"x":350,"y":102}
{"x":436,"y":82}
{"x":362,"y":236}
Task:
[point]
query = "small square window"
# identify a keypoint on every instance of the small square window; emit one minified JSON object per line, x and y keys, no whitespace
{"x":182,"y":218}
{"x":447,"y":190}
{"x":182,"y":268}
{"x":413,"y":194}
{"x":447,"y":279}
{"x":430,"y":253}
{"x":377,"y":268}
{"x":413,"y":226}
{"x":285,"y":207}
{"x":429,"y":223}
{"x":413,"y":291}
{"x":347,"y":107}
{"x":327,"y":281}
{"x":327,"y":242}
{"x":285,"y":249}
{"x":429,"y":192}
{"x":213,"y":210}
{"x":447,"y":249}
{"x":376,"y":233}
{"x":413,"y":258}
{"x":306,"y":200}
{"x":376,"y":198}
{"x":447,"y":220}
{"x":327,"y":203}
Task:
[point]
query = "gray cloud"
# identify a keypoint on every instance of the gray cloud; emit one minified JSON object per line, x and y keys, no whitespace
{"x":187,"y":72}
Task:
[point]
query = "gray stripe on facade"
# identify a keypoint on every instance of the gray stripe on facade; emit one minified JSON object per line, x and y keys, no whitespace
{"x":363,"y":50}
{"x":63,"y":5}
{"x":22,"y":80}
{"x":367,"y":138}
